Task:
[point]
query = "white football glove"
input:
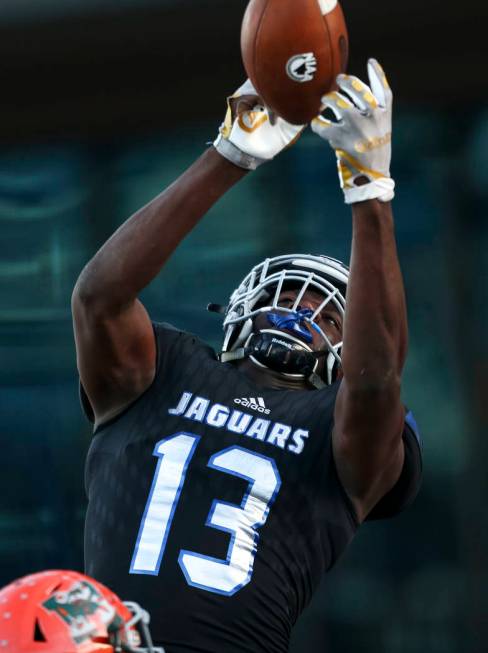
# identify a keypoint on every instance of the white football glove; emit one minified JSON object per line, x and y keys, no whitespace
{"x":251,"y":137}
{"x":362,"y":136}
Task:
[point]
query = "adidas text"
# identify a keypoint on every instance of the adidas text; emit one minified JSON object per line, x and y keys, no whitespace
{"x":253,"y":404}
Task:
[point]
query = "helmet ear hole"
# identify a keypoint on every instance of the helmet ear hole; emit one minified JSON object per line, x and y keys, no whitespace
{"x":38,"y":634}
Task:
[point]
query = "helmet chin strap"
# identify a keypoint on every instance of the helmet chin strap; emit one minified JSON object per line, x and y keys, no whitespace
{"x":282,"y":353}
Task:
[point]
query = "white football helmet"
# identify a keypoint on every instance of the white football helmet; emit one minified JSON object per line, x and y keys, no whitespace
{"x":259,"y":293}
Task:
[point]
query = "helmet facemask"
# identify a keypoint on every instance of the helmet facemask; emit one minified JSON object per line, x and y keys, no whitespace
{"x":135,"y":636}
{"x":260,"y":292}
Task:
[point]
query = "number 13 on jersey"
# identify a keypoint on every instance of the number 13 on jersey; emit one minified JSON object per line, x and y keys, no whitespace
{"x":240,"y":522}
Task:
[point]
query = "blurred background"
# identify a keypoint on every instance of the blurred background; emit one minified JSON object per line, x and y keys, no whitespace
{"x":103,"y":103}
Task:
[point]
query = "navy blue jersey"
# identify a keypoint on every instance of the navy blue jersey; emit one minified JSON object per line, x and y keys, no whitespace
{"x":215,"y":503}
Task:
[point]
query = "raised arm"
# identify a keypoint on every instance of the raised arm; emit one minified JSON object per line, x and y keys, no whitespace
{"x":113,"y":332}
{"x":369,"y":415}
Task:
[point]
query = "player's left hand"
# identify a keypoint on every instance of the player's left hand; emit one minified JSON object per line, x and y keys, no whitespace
{"x":250,"y":134}
{"x":361,"y":137}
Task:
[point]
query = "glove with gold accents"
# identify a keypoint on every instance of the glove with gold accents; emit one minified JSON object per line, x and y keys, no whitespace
{"x":361,"y":137}
{"x":250,"y":134}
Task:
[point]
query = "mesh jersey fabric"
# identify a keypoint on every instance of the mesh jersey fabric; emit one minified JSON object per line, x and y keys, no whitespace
{"x":307,"y":528}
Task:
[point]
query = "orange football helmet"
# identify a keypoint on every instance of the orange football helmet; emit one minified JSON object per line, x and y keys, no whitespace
{"x":68,"y":612}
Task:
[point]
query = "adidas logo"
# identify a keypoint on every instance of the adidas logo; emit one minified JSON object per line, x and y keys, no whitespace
{"x":254,"y":404}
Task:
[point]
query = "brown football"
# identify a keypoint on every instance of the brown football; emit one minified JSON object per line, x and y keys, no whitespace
{"x":293,"y":51}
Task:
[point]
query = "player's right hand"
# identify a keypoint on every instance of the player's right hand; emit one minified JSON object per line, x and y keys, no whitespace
{"x":250,"y":134}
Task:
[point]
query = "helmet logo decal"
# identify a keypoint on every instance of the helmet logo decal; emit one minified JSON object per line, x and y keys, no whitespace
{"x":84,"y":610}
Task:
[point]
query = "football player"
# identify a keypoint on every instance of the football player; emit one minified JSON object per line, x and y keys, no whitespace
{"x":222,"y":486}
{"x":67,"y":612}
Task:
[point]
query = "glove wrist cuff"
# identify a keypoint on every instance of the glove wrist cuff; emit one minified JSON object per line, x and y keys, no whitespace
{"x":382,"y":189}
{"x":236,"y":156}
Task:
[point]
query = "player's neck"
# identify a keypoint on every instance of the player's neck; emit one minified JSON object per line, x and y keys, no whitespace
{"x":266,"y":378}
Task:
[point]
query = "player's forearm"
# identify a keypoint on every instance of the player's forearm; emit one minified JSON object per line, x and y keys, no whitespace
{"x":136,"y":252}
{"x":375,"y":327}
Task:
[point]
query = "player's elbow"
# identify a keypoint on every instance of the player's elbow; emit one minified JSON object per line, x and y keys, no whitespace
{"x":91,"y":295}
{"x":85,"y":300}
{"x":85,"y":289}
{"x":82,"y":297}
{"x":79,"y":295}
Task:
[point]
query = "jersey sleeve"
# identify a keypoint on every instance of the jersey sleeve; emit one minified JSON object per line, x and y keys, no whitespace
{"x":166,"y":337}
{"x":408,"y":485}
